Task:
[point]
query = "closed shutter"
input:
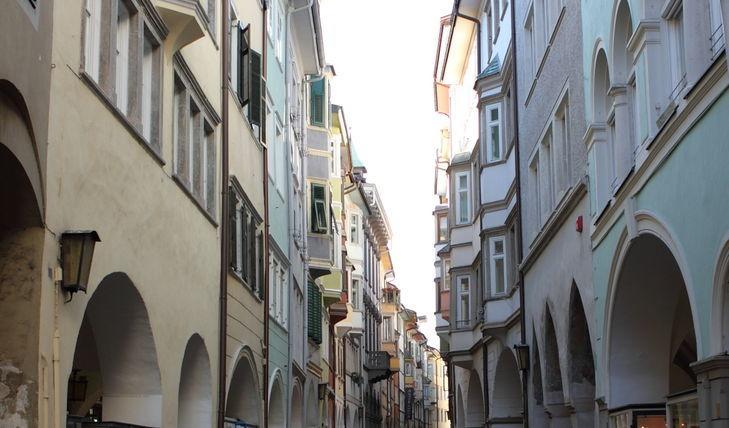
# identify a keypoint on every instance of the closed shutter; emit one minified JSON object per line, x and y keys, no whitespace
{"x":254,"y":106}
{"x":232,"y":213}
{"x":314,"y":317}
{"x":316,"y":100}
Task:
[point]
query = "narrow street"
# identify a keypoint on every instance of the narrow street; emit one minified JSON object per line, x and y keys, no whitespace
{"x":393,"y":213}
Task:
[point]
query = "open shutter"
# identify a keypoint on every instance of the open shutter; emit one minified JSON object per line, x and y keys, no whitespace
{"x":254,"y":106}
{"x":261,"y":267}
{"x":314,"y":318}
{"x":244,"y":63}
{"x":232,"y":213}
{"x":316,"y":100}
{"x":251,"y":259}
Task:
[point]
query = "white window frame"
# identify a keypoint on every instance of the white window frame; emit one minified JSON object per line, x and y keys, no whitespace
{"x":446,"y":275}
{"x":460,"y":320}
{"x":489,"y":124}
{"x":718,"y":42}
{"x":92,"y":38}
{"x":356,"y":292}
{"x":354,"y":228}
{"x":493,"y":259}
{"x":677,"y":50}
{"x":121,"y":56}
{"x":532,"y":41}
{"x":459,"y":191}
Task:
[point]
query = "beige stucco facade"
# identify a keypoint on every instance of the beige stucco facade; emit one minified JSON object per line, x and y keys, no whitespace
{"x":148,"y":324}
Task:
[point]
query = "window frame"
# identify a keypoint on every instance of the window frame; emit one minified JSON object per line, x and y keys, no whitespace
{"x":489,"y":123}
{"x":318,"y":207}
{"x":459,"y":190}
{"x":460,"y":320}
{"x":493,"y":259}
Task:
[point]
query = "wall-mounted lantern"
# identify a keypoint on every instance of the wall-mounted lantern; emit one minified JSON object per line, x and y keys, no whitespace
{"x":77,"y":250}
{"x":522,"y":356}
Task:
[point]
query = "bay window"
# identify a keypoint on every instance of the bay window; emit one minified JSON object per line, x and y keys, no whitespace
{"x":442,"y":228}
{"x":354,"y":229}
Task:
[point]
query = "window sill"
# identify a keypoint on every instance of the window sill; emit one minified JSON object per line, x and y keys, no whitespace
{"x":96,"y":89}
{"x":277,"y":322}
{"x":494,"y":163}
{"x":249,"y":126}
{"x":244,"y":283}
{"x":194,"y":199}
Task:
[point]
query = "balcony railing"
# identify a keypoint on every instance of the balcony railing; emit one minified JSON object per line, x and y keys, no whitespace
{"x":377,"y":360}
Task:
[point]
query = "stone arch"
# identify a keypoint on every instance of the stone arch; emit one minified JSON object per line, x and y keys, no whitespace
{"x":553,"y":372}
{"x":297,"y":405}
{"x":195,"y":397}
{"x":312,"y":406}
{"x":21,"y":258}
{"x":650,"y":342}
{"x":243,"y":394}
{"x":474,"y":401}
{"x":116,"y":358}
{"x":720,"y":309}
{"x":581,"y":361}
{"x":538,"y":417}
{"x":460,"y":411}
{"x":506,"y":397}
{"x":622,"y":31}
{"x":276,"y":402}
{"x":601,"y":100}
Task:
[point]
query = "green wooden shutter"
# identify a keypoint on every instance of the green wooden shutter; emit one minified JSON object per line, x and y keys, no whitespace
{"x":254,"y":106}
{"x":316,"y":98}
{"x":314,"y":306}
{"x":244,"y":65}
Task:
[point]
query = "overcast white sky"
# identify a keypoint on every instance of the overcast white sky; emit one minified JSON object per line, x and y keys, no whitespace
{"x":383,"y":52}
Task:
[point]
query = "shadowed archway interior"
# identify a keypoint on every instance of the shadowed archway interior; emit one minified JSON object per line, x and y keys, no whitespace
{"x":276,"y":406}
{"x":506,"y":398}
{"x":116,"y":359}
{"x":652,"y":340}
{"x":195,"y":399}
{"x":243,"y":399}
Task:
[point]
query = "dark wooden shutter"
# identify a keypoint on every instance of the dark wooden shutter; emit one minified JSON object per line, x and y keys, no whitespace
{"x":261,"y":267}
{"x":251,"y":259}
{"x":316,"y":99}
{"x":233,"y":202}
{"x":33,"y":3}
{"x":244,"y":244}
{"x":254,"y":106}
{"x":243,"y":86}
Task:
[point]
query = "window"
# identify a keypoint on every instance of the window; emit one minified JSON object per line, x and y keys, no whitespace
{"x":122,"y":56}
{"x":150,"y":87}
{"x":194,"y":141}
{"x":463,"y":202}
{"x":387,"y":335}
{"x":318,"y":208}
{"x":531,"y":42}
{"x":717,"y":28}
{"x":442,"y":227}
{"x":534,"y":182}
{"x":546,"y":180}
{"x":354,"y":229}
{"x":464,"y":301}
{"x":246,"y":250}
{"x":562,"y":150}
{"x":492,"y":128}
{"x":677,"y":54}
{"x":489,"y":29}
{"x":497,"y":19}
{"x":512,"y":261}
{"x":497,"y":265}
{"x":278,"y":304}
{"x":446,"y":275}
{"x":316,"y":97}
{"x":355,"y":293}
{"x":92,"y":42}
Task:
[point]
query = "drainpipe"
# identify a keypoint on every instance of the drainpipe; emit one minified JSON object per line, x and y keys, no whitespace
{"x":266,"y":279}
{"x":224,"y":218}
{"x":520,"y":220}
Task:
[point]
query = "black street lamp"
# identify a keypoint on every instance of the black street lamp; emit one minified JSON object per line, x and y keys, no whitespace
{"x":522,"y":356}
{"x":77,"y":250}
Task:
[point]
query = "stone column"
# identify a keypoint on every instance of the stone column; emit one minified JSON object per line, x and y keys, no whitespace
{"x":713,"y":390}
{"x":560,"y":415}
{"x":584,"y":413}
{"x":622,"y":140}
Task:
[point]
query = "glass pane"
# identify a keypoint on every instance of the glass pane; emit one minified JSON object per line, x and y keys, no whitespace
{"x":495,"y":143}
{"x":498,"y":247}
{"x":684,"y":414}
{"x":495,"y":114}
{"x":462,"y":182}
{"x":499,"y":272}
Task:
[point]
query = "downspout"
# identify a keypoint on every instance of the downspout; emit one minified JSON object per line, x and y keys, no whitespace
{"x":520,"y":220}
{"x":266,"y":279}
{"x":224,"y":218}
